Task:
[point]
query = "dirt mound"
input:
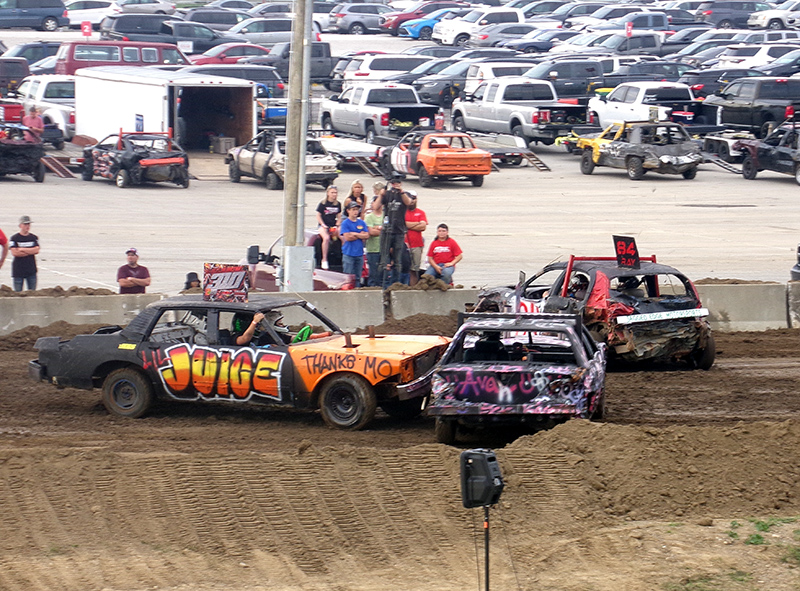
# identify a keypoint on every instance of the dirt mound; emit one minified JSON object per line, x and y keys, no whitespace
{"x":715,"y":281}
{"x":26,"y":337}
{"x":58,"y":291}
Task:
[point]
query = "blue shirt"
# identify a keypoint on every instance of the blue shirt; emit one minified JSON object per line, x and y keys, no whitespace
{"x":353,"y":248}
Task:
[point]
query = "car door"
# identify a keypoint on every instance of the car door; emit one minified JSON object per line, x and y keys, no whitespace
{"x":738,"y":111}
{"x":203,"y":37}
{"x":247,"y":155}
{"x":400,"y":157}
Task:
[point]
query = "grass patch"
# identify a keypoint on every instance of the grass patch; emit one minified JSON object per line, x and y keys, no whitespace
{"x":791,"y":554}
{"x":755,"y":540}
{"x":736,"y":579}
{"x":766,"y":524}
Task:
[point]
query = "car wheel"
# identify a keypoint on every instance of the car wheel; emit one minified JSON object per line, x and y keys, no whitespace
{"x":775,"y":24}
{"x":587,"y":164}
{"x":797,"y":175}
{"x":724,"y":152}
{"x":690,"y":174}
{"x":704,"y":358}
{"x":749,"y":170}
{"x":517,"y":131}
{"x":726,"y":24}
{"x":233,"y":171}
{"x":461,"y":40}
{"x":405,"y":410}
{"x":425,"y":179}
{"x":59,"y":145}
{"x":327,"y":123}
{"x":766,"y":128}
{"x":87,"y":170}
{"x":458,"y":124}
{"x":123,"y":179}
{"x":370,"y":134}
{"x":529,"y":50}
{"x":272,"y":181}
{"x":425,"y":33}
{"x":599,"y":412}
{"x":357,"y":29}
{"x":184,"y":182}
{"x":635,"y":168}
{"x":445,"y":431}
{"x":477,"y":180}
{"x":49,"y":24}
{"x":347,"y":402}
{"x":127,"y":393}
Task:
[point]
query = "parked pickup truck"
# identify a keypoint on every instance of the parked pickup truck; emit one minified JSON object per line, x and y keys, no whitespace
{"x":376,"y":110}
{"x":54,"y":96}
{"x":638,"y":43}
{"x":756,"y":104}
{"x":321,"y":61}
{"x":522,"y":106}
{"x":189,"y":37}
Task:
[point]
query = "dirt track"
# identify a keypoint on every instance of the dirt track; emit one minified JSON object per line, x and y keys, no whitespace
{"x":664,"y":495}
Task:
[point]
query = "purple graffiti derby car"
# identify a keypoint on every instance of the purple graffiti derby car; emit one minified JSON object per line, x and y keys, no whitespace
{"x":517,"y":368}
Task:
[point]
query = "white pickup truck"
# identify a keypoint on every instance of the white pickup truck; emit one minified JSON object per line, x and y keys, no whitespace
{"x":54,"y":96}
{"x":648,"y":101}
{"x":376,"y":110}
{"x":525,"y":107}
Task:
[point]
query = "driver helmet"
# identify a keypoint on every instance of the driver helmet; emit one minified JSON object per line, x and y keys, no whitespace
{"x":579,"y":281}
{"x":630,"y":283}
{"x":275,"y":318}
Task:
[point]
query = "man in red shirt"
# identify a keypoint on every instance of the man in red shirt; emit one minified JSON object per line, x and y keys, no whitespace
{"x":133,"y":277}
{"x":444,"y":254}
{"x":35,"y":124}
{"x":4,"y":246}
{"x":416,"y":222}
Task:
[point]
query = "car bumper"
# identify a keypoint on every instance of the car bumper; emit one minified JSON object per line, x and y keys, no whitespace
{"x":36,"y":371}
{"x":316,"y":177}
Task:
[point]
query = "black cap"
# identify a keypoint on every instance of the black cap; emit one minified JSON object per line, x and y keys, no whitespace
{"x":353,"y":204}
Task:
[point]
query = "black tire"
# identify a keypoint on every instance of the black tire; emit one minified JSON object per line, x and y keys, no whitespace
{"x":122,"y":179}
{"x":87,"y":170}
{"x":775,"y":24}
{"x":234,"y":174}
{"x":38,"y":174}
{"x":458,"y":124}
{"x":749,"y":170}
{"x":517,"y":131}
{"x":529,"y":50}
{"x":425,"y":33}
{"x":600,"y":410}
{"x":394,"y":32}
{"x":460,"y":40}
{"x":272,"y":181}
{"x":347,"y":402}
{"x":404,"y":410}
{"x":59,"y":145}
{"x":425,"y":179}
{"x":369,"y":134}
{"x":690,"y":174}
{"x":184,"y":182}
{"x":704,"y":358}
{"x":724,"y":152}
{"x":327,"y":123}
{"x":476,"y":180}
{"x":797,"y":175}
{"x":725,"y":24}
{"x":49,"y":24}
{"x":357,"y":29}
{"x":587,"y":164}
{"x":445,"y":431}
{"x":766,"y":128}
{"x":635,"y":167}
{"x":127,"y":393}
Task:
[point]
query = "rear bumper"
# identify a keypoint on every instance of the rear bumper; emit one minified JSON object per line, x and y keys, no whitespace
{"x":36,"y":371}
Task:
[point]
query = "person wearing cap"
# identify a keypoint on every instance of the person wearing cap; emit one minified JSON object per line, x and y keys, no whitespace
{"x":133,"y":277}
{"x":416,"y":222}
{"x":354,"y":232}
{"x":444,"y":254}
{"x":374,"y":221}
{"x":192,"y":281}
{"x":35,"y":124}
{"x":395,"y":202}
{"x":24,"y":247}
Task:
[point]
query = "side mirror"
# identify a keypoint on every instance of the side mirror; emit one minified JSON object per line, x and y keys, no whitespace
{"x":466,"y":97}
{"x":335,"y":98}
{"x":484,"y":22}
{"x":553,"y":74}
{"x":252,"y":254}
{"x":344,"y":101}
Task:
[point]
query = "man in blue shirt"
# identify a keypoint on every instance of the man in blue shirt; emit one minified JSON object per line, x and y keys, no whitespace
{"x":354,"y":232}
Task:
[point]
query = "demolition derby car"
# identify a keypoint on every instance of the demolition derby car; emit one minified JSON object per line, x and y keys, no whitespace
{"x":652,"y":313}
{"x":136,"y":158}
{"x":777,"y":152}
{"x":19,"y":156}
{"x":507,"y":369}
{"x":264,"y":158}
{"x":639,"y":147}
{"x":434,"y":154}
{"x":184,"y":349}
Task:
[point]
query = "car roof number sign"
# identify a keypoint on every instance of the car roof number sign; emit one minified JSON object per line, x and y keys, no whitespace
{"x":626,"y":251}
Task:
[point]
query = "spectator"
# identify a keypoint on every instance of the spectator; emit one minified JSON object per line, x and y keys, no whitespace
{"x":192,"y":282}
{"x":416,"y":223}
{"x":394,"y":201}
{"x":35,"y":125}
{"x":329,"y":212}
{"x":443,"y":255}
{"x":354,"y":232}
{"x":133,"y":277}
{"x":4,"y":246}
{"x":24,"y":247}
{"x":356,"y":194}
{"x":374,"y":221}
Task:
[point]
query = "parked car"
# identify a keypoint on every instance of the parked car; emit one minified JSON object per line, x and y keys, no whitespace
{"x":493,"y":35}
{"x":219,"y":19}
{"x":18,"y":156}
{"x":442,"y":88}
{"x":605,"y":13}
{"x":44,"y":15}
{"x":436,"y":155}
{"x":93,"y":11}
{"x":458,"y":30}
{"x":229,"y":53}
{"x":539,"y":40}
{"x":150,"y":359}
{"x":46,"y":65}
{"x":641,"y":101}
{"x":754,"y":104}
{"x":33,"y":52}
{"x":271,"y":9}
{"x":357,"y":19}
{"x":712,"y":81}
{"x":729,"y":14}
{"x":12,"y":71}
{"x":279,"y":58}
{"x":556,"y":19}
{"x":54,"y":96}
{"x":583,"y":42}
{"x":776,"y":18}
{"x":786,"y":65}
{"x":392,"y":21}
{"x":750,"y":56}
{"x":231,"y":4}
{"x":432,"y":50}
{"x":136,"y":158}
{"x":147,"y":6}
{"x":264,"y":158}
{"x":424,"y":69}
{"x":264,"y":31}
{"x":570,"y":77}
{"x":374,"y":68}
{"x":502,"y":352}
{"x":126,"y":24}
{"x":650,"y":313}
{"x":422,"y":28}
{"x":778,"y":152}
{"x":646,"y":70}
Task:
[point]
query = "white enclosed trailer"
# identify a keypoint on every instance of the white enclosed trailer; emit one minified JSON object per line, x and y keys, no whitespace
{"x":195,"y":107}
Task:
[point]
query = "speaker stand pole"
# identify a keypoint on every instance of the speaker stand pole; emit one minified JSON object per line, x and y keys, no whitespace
{"x":486,"y":542}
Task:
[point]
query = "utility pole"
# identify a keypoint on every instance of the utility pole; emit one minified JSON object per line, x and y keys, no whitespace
{"x":298,"y":260}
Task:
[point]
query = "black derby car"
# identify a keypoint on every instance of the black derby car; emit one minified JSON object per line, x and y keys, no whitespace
{"x":19,"y":156}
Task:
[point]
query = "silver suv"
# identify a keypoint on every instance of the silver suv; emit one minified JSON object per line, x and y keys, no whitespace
{"x":357,"y":19}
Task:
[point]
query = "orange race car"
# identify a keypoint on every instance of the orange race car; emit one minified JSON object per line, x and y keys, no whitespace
{"x":443,"y":155}
{"x":271,"y":350}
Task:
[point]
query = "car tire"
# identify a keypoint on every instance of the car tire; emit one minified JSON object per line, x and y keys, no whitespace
{"x":587,"y":164}
{"x":766,"y":128}
{"x":690,"y":174}
{"x":233,"y":172}
{"x":529,"y":50}
{"x":127,"y":393}
{"x":725,"y":24}
{"x":184,"y":182}
{"x":518,"y":131}
{"x":425,"y":179}
{"x":327,"y":123}
{"x":272,"y":181}
{"x":477,"y":180}
{"x":599,"y":412}
{"x":704,"y":358}
{"x":425,"y":33}
{"x":357,"y":29}
{"x":38,"y":174}
{"x":404,"y":410}
{"x":347,"y":402}
{"x":87,"y":170}
{"x":460,"y":40}
{"x":458,"y":124}
{"x":797,"y":175}
{"x":369,"y":134}
{"x":749,"y":170}
{"x":635,"y":168}
{"x":724,"y":152}
{"x":775,"y":24}
{"x":445,"y":431}
{"x":122,"y":179}
{"x":49,"y":24}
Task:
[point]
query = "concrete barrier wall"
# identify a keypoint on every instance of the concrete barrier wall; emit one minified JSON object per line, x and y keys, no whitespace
{"x":407,"y":302}
{"x":793,"y":302}
{"x":757,"y":306}
{"x":349,"y":309}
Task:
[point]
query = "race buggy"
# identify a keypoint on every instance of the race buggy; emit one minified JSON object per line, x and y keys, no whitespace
{"x":651,"y":313}
{"x":19,"y":156}
{"x":136,"y":158}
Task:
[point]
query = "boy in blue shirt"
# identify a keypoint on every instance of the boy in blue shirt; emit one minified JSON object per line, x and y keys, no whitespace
{"x":354,"y":232}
